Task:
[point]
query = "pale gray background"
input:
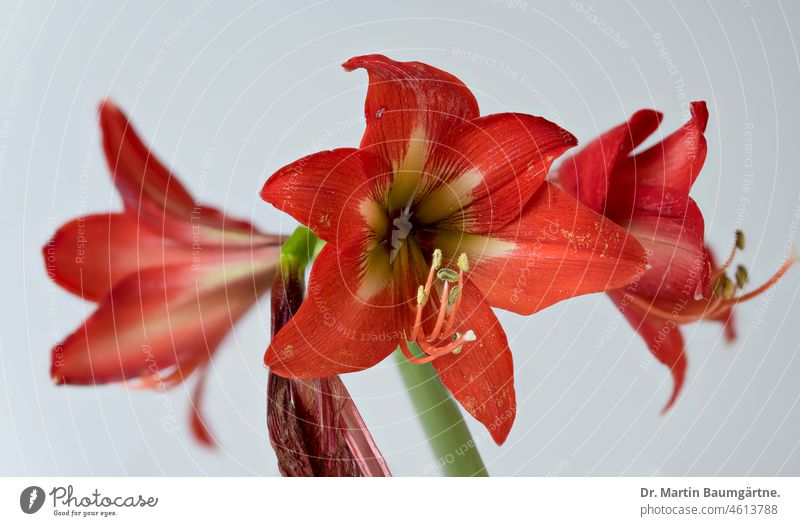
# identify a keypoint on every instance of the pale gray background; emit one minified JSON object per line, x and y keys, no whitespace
{"x":253,"y":85}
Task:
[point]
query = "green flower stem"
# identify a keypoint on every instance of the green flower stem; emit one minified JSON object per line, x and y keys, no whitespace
{"x":455,"y":450}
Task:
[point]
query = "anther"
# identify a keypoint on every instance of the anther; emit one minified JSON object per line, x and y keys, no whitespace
{"x":463,"y":262}
{"x":447,"y":274}
{"x":741,"y":276}
{"x":437,"y":259}
{"x":719,"y":284}
{"x":728,"y":288}
{"x":422,"y":298}
{"x":451,"y":299}
{"x":739,"y":239}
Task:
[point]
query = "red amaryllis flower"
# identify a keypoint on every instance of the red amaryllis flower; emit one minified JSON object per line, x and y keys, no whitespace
{"x":647,"y":193}
{"x":439,"y":215}
{"x":170,"y":276}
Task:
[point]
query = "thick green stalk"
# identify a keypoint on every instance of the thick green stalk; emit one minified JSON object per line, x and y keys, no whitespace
{"x":456,"y":452}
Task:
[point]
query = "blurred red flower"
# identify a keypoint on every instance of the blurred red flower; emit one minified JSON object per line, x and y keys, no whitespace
{"x":647,"y":193}
{"x":170,"y":276}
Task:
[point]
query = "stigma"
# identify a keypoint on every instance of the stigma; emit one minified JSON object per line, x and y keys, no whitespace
{"x":443,"y":338}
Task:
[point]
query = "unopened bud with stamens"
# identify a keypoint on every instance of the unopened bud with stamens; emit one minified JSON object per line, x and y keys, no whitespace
{"x":463,"y":262}
{"x":453,"y":296}
{"x":741,"y":276}
{"x":447,"y":274}
{"x":740,"y":240}
{"x":437,"y":259}
{"x":422,"y":298}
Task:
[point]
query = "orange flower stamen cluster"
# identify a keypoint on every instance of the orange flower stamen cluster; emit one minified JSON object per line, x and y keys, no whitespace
{"x":443,"y":339}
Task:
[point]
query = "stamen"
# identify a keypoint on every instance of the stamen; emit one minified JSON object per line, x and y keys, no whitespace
{"x":410,"y":356}
{"x":437,"y":259}
{"x":442,"y":312}
{"x":463,"y":262}
{"x":724,"y":299}
{"x":452,"y":347}
{"x":738,"y":243}
{"x":469,"y":336}
{"x":770,"y":282}
{"x":739,"y":239}
{"x":721,"y":284}
{"x":422,"y":298}
{"x":451,"y":299}
{"x":447,"y":275}
{"x":729,"y":288}
{"x":741,"y":276}
{"x":443,"y":339}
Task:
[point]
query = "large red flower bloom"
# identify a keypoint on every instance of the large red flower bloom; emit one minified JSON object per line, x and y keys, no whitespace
{"x":440,"y":215}
{"x":647,"y":193}
{"x":170,"y":275}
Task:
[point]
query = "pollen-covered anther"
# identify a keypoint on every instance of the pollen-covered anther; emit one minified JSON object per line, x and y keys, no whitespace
{"x":739,"y":239}
{"x":463,"y":262}
{"x":437,"y":259}
{"x":453,"y":296}
{"x":742,"y":276}
{"x":447,"y":274}
{"x":422,"y":298}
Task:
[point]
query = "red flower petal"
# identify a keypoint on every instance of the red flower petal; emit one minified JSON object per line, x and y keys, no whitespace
{"x":481,"y":376}
{"x":157,"y":319}
{"x":150,"y":192}
{"x":663,"y":338}
{"x":337,"y":329}
{"x":672,"y":235}
{"x":88,"y":256}
{"x":675,"y":162}
{"x":324,"y":190}
{"x":559,"y":249}
{"x":138,"y":175}
{"x":586,"y":174}
{"x":410,"y":107}
{"x":196,"y":419}
{"x":486,"y":170}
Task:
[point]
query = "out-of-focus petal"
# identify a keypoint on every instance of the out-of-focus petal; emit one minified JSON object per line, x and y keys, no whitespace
{"x":586,"y":174}
{"x":197,"y":421}
{"x":157,"y":319}
{"x":151,"y":193}
{"x":663,"y":338}
{"x":672,"y":235}
{"x":89,"y":255}
{"x":675,"y":162}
